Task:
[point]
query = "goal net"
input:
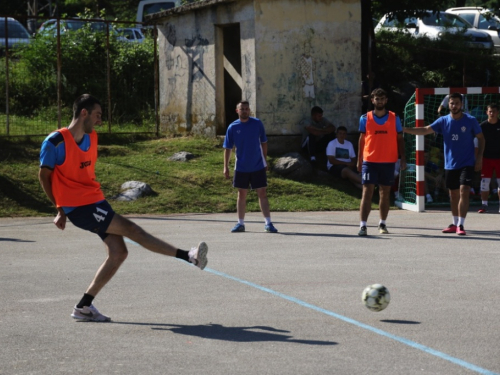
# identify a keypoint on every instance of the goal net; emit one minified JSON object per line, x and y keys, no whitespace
{"x":422,"y":184}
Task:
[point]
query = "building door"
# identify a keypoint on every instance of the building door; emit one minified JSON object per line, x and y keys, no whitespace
{"x":229,"y":71}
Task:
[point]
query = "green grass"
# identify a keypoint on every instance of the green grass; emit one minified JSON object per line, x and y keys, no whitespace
{"x":196,"y":186}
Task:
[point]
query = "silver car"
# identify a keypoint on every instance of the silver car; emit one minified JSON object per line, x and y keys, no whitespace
{"x":435,"y":25}
{"x":482,"y":19}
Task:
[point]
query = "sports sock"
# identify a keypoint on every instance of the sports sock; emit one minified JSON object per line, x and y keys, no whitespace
{"x":182,"y":254}
{"x":268,"y":220}
{"x":485,"y":203}
{"x":362,"y":224}
{"x":461,"y":221}
{"x":313,"y":158}
{"x":455,"y":220}
{"x":381,"y":222}
{"x":241,"y":221}
{"x":85,"y":301}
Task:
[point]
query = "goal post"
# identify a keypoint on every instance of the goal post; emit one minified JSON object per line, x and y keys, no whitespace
{"x":422,"y":110}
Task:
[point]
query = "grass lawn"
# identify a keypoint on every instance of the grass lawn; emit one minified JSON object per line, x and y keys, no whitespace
{"x":196,"y":186}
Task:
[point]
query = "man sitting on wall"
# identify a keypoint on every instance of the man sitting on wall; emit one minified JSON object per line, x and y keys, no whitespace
{"x":320,"y":132}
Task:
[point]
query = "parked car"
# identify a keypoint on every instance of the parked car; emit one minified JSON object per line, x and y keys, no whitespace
{"x":482,"y":19}
{"x":16,"y":33}
{"x":131,"y":34}
{"x":50,"y":27}
{"x":434,"y":25}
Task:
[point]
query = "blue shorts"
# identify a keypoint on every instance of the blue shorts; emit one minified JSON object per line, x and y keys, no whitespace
{"x":243,"y":180}
{"x":94,"y":217}
{"x":377,"y":173}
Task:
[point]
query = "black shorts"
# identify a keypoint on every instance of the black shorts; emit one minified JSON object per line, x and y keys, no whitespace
{"x":337,"y":169}
{"x":454,"y":178}
{"x":94,"y":217}
{"x":243,"y":180}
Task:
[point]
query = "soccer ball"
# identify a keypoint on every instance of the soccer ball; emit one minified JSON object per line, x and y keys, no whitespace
{"x":376,"y":297}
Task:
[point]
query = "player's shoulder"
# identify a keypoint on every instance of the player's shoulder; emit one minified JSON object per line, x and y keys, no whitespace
{"x":55,"y":138}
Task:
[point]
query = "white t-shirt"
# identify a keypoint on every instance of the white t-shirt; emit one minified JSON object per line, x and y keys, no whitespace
{"x":341,"y":152}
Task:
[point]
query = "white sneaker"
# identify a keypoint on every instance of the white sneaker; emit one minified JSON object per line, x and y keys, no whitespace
{"x":198,"y":255}
{"x":89,"y":314}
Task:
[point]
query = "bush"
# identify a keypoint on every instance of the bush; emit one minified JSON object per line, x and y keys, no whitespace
{"x":84,"y":69}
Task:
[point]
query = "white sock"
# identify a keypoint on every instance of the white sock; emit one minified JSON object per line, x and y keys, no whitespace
{"x":381,"y":222}
{"x":455,"y":220}
{"x":268,"y":220}
{"x":241,"y":221}
{"x":362,"y":224}
{"x":461,"y":220}
{"x":485,"y":203}
{"x":313,"y":157}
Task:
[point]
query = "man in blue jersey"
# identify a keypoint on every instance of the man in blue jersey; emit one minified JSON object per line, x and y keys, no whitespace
{"x":247,"y":134}
{"x":459,"y":130}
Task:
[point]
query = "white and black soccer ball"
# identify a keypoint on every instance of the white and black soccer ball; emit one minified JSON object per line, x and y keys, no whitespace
{"x":376,"y":297}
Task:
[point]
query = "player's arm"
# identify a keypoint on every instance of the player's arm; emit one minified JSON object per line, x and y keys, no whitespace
{"x":44,"y":177}
{"x":480,"y":149}
{"x":419,"y":131}
{"x":361,"y":147}
{"x":227,"y":157}
{"x":264,"y":152}
{"x":401,"y":151}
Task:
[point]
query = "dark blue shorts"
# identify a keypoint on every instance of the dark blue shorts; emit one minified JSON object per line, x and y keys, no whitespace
{"x":93,"y":217}
{"x":454,"y":178}
{"x":377,"y":173}
{"x":243,"y":180}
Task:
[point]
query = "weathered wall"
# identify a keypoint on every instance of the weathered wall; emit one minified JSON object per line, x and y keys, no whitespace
{"x":188,"y":66}
{"x":309,"y":53}
{"x":295,"y":54}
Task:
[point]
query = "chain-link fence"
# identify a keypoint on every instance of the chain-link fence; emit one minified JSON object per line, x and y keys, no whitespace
{"x":42,"y":73}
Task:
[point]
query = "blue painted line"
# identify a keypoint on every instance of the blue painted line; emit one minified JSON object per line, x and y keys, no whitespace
{"x":402,"y":340}
{"x":380,"y":332}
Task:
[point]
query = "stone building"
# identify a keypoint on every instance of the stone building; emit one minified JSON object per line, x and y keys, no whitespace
{"x":283,"y":56}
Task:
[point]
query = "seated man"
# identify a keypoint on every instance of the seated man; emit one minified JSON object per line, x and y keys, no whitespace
{"x":320,"y":131}
{"x":342,"y":158}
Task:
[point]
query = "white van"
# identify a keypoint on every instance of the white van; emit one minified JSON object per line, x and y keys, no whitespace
{"x":147,"y":7}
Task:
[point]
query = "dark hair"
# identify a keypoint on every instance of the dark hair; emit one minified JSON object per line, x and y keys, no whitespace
{"x":455,"y":95}
{"x":493,"y":106}
{"x":316,"y":109}
{"x":378,"y":93}
{"x":342,"y":127}
{"x":242,"y":102}
{"x":85,"y":101}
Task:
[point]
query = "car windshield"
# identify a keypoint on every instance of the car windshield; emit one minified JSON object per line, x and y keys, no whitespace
{"x":443,"y":20}
{"x":15,"y":31}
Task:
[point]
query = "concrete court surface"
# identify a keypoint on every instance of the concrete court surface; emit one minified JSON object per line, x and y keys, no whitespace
{"x":286,"y":303}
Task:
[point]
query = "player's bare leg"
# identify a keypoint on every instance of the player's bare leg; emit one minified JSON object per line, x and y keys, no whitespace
{"x":263,"y":202}
{"x":366,"y":201}
{"x":126,"y":228}
{"x":454,"y":201}
{"x":384,"y":201}
{"x":117,"y":253}
{"x":463,"y":206}
{"x":241,"y":204}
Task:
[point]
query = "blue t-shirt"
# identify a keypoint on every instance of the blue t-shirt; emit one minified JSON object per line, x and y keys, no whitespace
{"x":380,"y":121}
{"x":458,"y":139}
{"x":247,"y":137}
{"x":53,"y":152}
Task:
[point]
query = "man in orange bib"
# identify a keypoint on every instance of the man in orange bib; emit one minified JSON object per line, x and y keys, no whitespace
{"x":67,"y":176}
{"x":380,"y":145}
